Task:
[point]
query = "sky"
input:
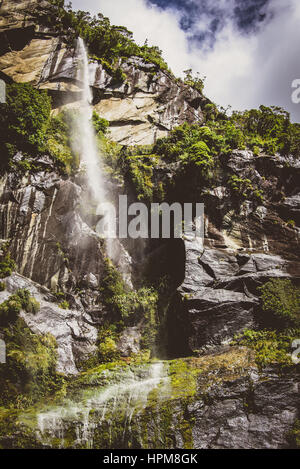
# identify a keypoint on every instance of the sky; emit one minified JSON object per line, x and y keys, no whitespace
{"x":248,"y":50}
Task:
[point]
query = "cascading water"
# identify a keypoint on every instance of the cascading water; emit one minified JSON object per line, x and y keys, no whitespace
{"x":109,"y":406}
{"x":108,"y":410}
{"x":85,"y":143}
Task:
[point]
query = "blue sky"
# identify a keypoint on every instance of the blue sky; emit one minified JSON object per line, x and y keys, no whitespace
{"x":247,"y":49}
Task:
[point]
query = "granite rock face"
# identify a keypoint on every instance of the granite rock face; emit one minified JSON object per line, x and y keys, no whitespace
{"x":52,"y":244}
{"x":73,"y":329}
{"x":245,"y":245}
{"x":253,"y":412}
{"x":144,"y":107}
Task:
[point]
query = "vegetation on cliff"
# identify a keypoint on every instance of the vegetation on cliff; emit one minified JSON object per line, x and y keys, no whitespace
{"x":30,"y":370}
{"x":106,"y":42}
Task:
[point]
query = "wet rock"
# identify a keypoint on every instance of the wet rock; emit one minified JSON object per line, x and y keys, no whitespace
{"x":90,"y":281}
{"x":129,"y":341}
{"x":219,"y":296}
{"x":248,"y":413}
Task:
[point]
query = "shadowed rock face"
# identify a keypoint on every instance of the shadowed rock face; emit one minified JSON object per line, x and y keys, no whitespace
{"x":245,"y":245}
{"x":16,"y":14}
{"x":50,"y":241}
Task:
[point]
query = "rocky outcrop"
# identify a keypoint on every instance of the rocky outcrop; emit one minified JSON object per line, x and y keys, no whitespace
{"x":74,"y":330}
{"x":214,"y":402}
{"x":245,"y":245}
{"x":140,"y":109}
{"x":252,"y":412}
{"x":16,"y":14}
{"x":219,"y":296}
{"x":40,"y":214}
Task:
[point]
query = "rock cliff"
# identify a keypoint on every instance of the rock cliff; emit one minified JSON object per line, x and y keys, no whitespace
{"x":208,"y":291}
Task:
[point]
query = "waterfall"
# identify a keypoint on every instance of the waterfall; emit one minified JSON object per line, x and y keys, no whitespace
{"x":84,"y":142}
{"x":109,"y":409}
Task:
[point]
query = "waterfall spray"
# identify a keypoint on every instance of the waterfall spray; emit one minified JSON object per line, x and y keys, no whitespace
{"x":86,"y":138}
{"x":85,"y":142}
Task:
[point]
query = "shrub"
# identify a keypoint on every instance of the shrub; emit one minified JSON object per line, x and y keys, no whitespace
{"x":64,"y":305}
{"x":33,"y":306}
{"x":195,"y":82}
{"x":271,"y":347}
{"x":24,"y":118}
{"x":100,"y":125}
{"x":7,"y":265}
{"x":58,"y":143}
{"x":10,"y":309}
{"x":29,"y":372}
{"x":107,"y":349}
{"x":281,"y":300}
{"x":2,"y":286}
{"x":140,"y":172}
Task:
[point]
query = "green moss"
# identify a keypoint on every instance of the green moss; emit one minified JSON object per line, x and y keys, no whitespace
{"x":291,"y":223}
{"x":270,"y":347}
{"x":107,"y":348}
{"x":281,"y":300}
{"x":64,"y":305}
{"x":30,"y":370}
{"x":7,"y":265}
{"x":2,"y":286}
{"x":10,"y":309}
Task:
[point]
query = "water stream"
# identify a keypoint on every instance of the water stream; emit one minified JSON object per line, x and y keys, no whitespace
{"x":107,"y":404}
{"x":107,"y":409}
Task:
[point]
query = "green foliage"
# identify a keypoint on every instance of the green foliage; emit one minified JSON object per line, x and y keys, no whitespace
{"x":24,"y":118}
{"x":64,"y":305}
{"x":10,"y":309}
{"x":112,"y":285}
{"x":2,"y":286}
{"x":107,"y":349}
{"x":195,"y":82}
{"x":29,"y":373}
{"x":268,"y":129}
{"x":58,"y":143}
{"x":100,"y":125}
{"x":130,"y":307}
{"x":140,"y":171}
{"x":7,"y":265}
{"x":271,"y":347}
{"x":240,"y":187}
{"x":193,"y":145}
{"x":291,"y":223}
{"x":281,"y":299}
{"x":106,"y":42}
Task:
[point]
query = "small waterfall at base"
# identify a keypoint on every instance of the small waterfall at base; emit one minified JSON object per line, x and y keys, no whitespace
{"x":108,"y":410}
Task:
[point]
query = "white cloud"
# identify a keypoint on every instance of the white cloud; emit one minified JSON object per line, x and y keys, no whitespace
{"x":243,"y":71}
